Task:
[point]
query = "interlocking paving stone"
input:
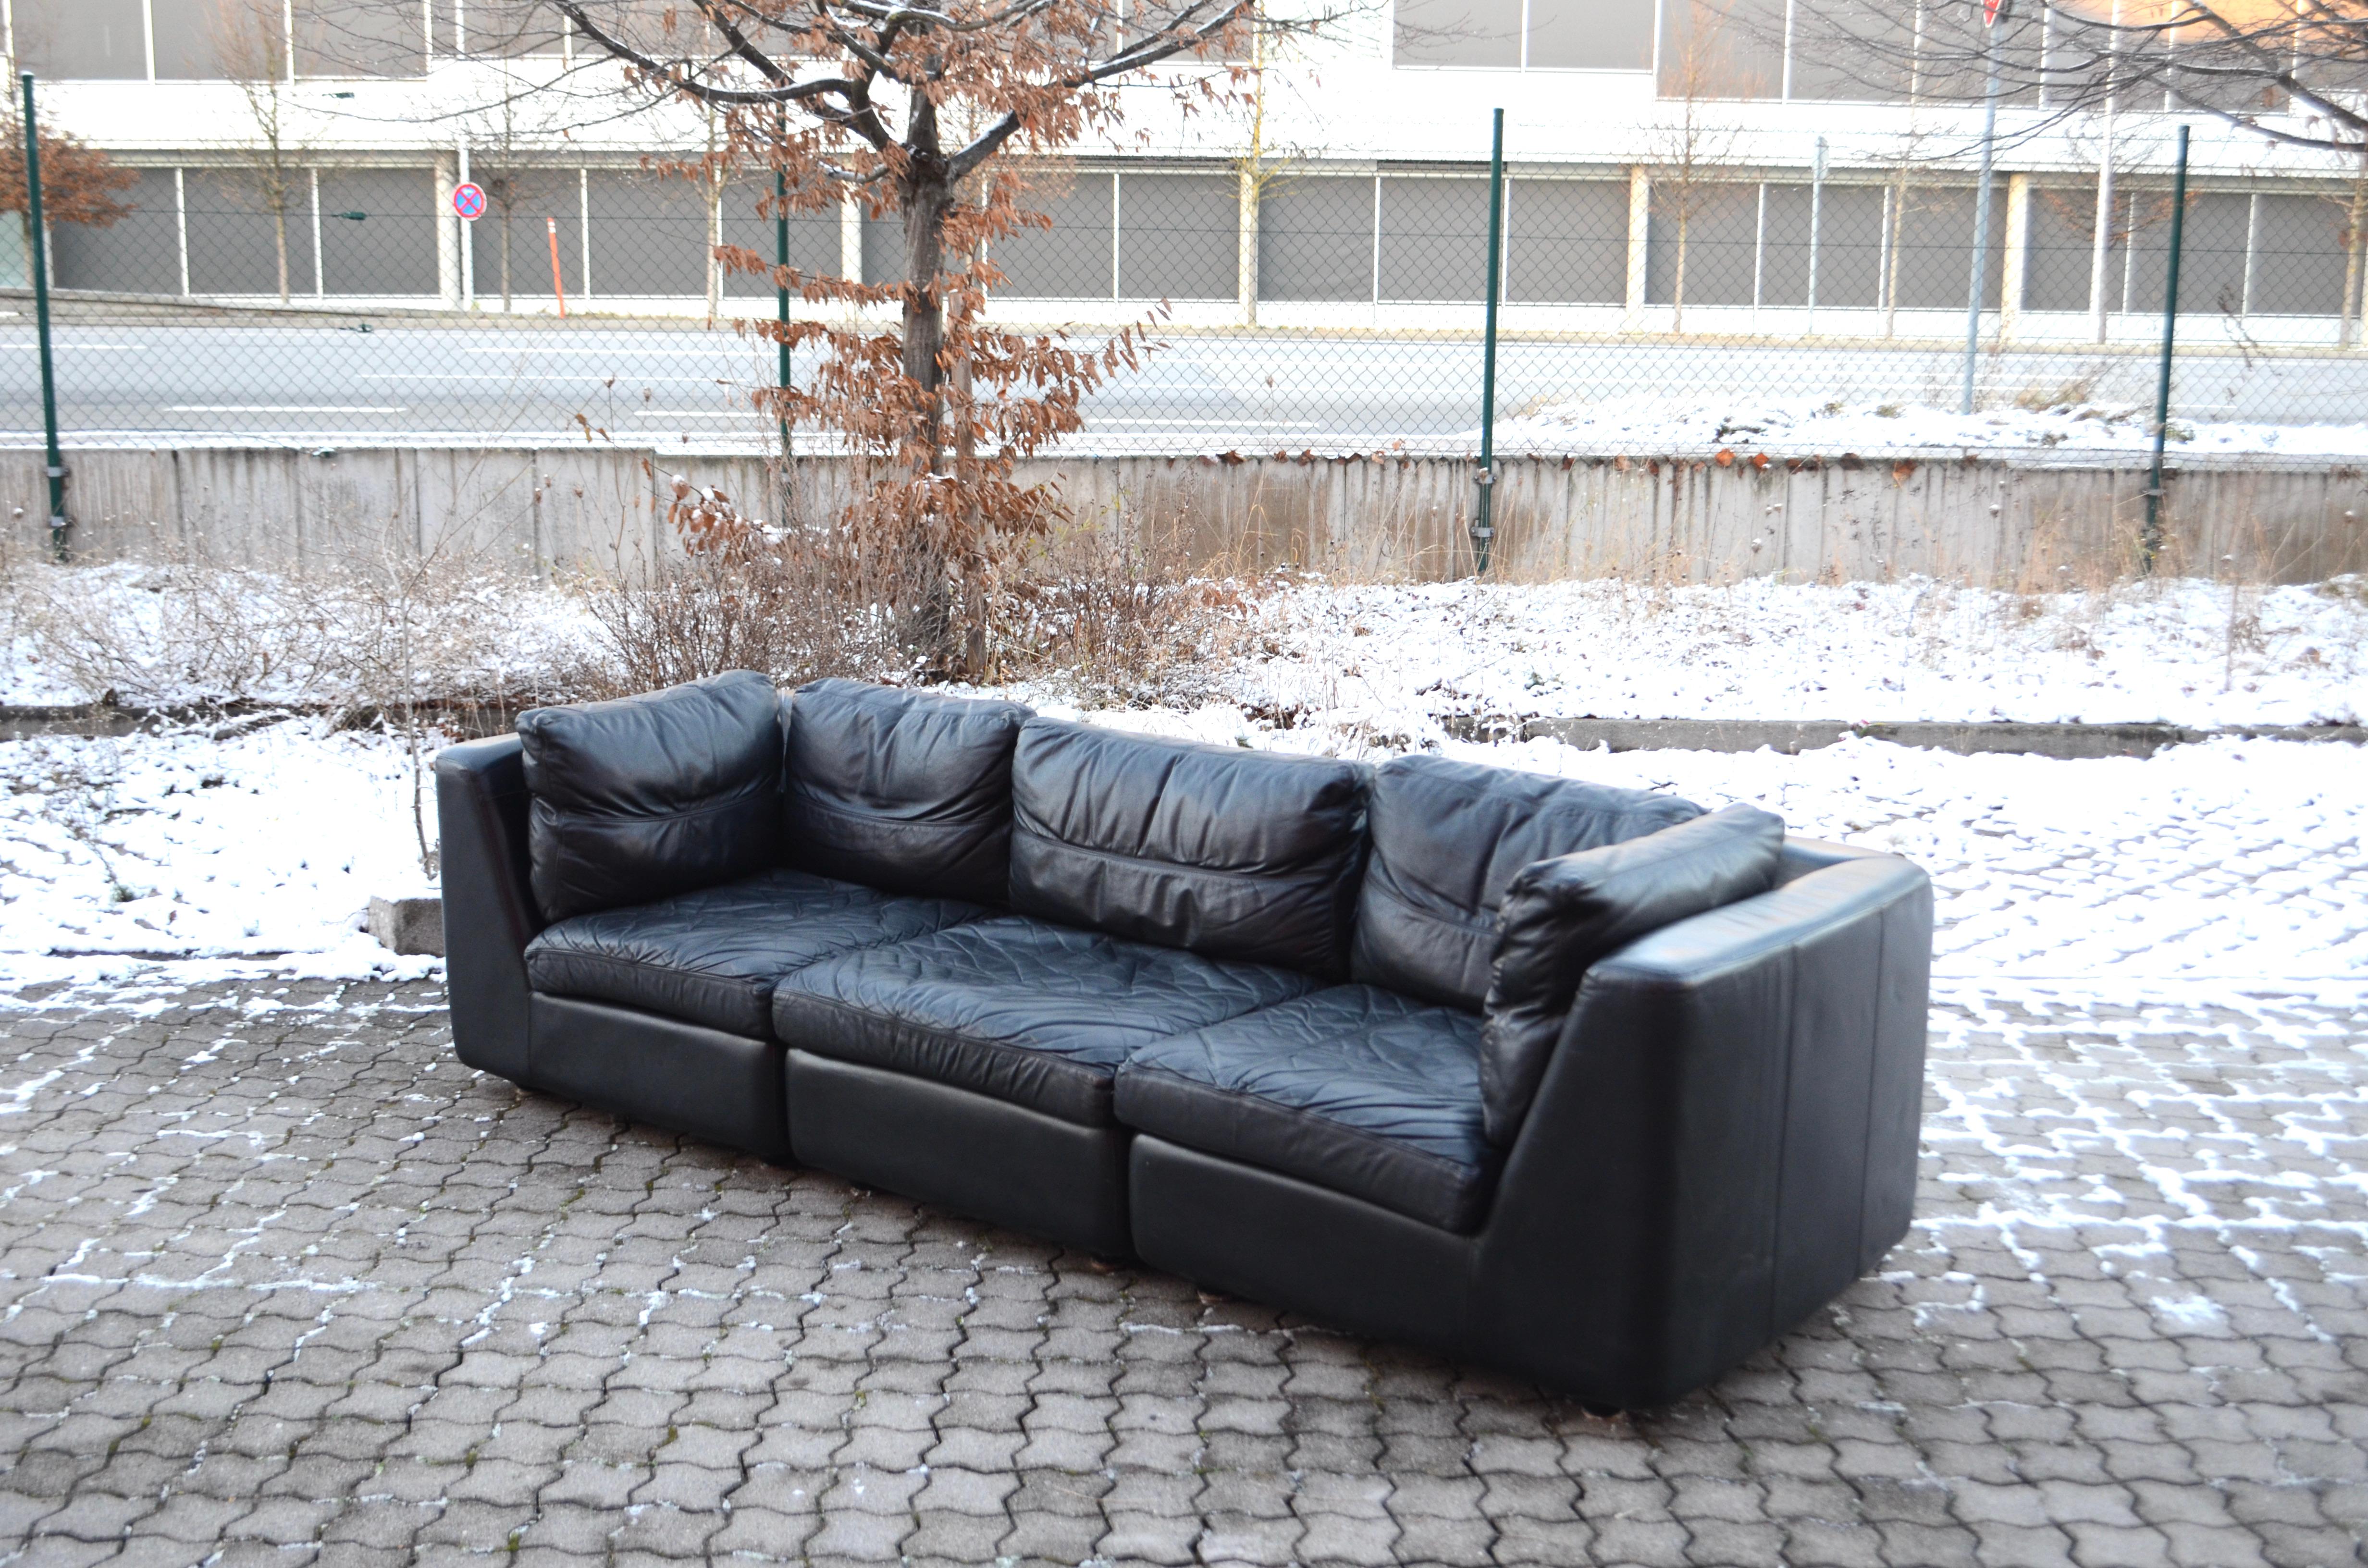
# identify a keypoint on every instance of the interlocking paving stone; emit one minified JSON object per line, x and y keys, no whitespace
{"x":281,"y":1282}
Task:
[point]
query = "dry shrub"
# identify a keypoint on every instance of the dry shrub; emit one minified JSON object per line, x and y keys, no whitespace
{"x":796,"y":603}
{"x":379,"y":632}
{"x":371,"y":629}
{"x":1112,"y":618}
{"x":1097,"y":612}
{"x":2038,"y":397}
{"x":176,"y":632}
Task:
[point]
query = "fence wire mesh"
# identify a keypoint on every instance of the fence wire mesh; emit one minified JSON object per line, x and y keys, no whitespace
{"x":1308,"y":307}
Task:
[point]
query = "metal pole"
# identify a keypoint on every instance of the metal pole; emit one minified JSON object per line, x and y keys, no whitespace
{"x":40,"y":244}
{"x":2150,"y":542}
{"x":1817,"y":212}
{"x":1980,"y":268}
{"x":468,"y":239}
{"x":781,"y":300}
{"x":1484,"y":530}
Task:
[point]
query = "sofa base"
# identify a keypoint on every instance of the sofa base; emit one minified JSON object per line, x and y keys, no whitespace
{"x":662,"y":1071}
{"x":1289,"y":1244}
{"x":964,"y":1151}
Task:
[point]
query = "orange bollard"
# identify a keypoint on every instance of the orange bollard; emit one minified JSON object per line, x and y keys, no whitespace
{"x":557,"y":290}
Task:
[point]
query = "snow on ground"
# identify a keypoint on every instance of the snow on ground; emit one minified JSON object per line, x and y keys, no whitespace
{"x":257,"y":853}
{"x":2224,"y":864}
{"x":2189,"y":653}
{"x":2177,"y":651}
{"x":1807,"y":426}
{"x":2232,"y":863}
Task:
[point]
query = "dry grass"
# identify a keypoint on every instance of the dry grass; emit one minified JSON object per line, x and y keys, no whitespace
{"x":1110,"y":617}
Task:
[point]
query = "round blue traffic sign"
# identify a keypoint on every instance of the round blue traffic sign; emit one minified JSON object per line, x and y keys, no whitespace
{"x":469,"y":199}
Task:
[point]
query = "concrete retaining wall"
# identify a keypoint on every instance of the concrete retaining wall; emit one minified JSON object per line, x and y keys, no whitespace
{"x":2018,"y":523}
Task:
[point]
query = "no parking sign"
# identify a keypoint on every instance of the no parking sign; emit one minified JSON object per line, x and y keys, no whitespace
{"x":469,"y":200}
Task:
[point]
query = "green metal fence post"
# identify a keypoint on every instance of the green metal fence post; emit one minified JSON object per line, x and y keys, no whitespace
{"x":39,"y":243}
{"x":781,"y":302}
{"x":2151,"y":541}
{"x":1484,"y":529}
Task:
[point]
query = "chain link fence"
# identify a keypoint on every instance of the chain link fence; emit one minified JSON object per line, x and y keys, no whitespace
{"x":1311,"y":306}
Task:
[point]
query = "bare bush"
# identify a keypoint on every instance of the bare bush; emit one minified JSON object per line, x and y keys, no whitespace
{"x":179,"y":632}
{"x":1099,"y":613}
{"x":380,"y":634}
{"x":796,"y":603}
{"x":1116,"y":619}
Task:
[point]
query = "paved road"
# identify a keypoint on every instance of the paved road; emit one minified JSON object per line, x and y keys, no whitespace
{"x":299,"y":383}
{"x":285,"y":1285}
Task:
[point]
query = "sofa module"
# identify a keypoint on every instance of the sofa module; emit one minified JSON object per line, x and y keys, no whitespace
{"x":1584,"y":1083}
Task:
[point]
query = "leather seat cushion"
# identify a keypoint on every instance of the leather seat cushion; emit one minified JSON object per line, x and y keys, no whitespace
{"x":713,"y":957}
{"x":1038,"y":1015}
{"x":1447,"y":838}
{"x":907,"y":791}
{"x":1230,"y":853}
{"x":650,"y":796}
{"x":1353,"y":1088}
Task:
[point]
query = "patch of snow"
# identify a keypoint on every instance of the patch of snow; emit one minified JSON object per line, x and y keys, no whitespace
{"x":2178,"y":651}
{"x":1807,"y":426}
{"x":253,"y":854}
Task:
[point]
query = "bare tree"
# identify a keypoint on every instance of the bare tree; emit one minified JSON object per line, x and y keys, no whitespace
{"x":1264,"y":166}
{"x":1693,"y":145}
{"x":251,"y":50}
{"x":928,"y":114}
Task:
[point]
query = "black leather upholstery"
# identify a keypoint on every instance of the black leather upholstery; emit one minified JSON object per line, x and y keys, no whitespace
{"x":712,"y":956}
{"x":489,"y":913}
{"x":1363,"y":1091}
{"x":1035,"y":1014}
{"x":1271,"y":1237}
{"x":1724,"y":1139}
{"x":1723,"y":1132}
{"x":1447,"y":838}
{"x":907,"y":790}
{"x":661,"y":1071}
{"x":968,"y":1152}
{"x":650,"y":796}
{"x":1561,"y":915}
{"x":1225,"y":852}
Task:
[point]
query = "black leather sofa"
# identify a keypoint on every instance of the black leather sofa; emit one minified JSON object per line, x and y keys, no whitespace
{"x":1583,"y":1084}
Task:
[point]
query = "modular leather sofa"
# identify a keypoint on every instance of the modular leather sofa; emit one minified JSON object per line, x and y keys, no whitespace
{"x":1582,"y":1083}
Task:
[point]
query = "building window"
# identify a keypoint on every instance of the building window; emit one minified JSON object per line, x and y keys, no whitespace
{"x":1535,"y":35}
{"x":213,"y":40}
{"x":82,"y":40}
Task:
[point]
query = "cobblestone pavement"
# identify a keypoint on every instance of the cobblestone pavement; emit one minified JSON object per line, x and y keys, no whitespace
{"x":283,"y":1283}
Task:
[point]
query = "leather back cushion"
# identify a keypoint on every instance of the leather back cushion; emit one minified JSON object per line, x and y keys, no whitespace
{"x":1227,"y":852}
{"x":905,"y":791}
{"x":1562,"y":915}
{"x":1447,"y":838}
{"x":651,"y":796}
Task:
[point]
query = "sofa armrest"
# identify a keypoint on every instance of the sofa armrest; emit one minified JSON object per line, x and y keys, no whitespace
{"x":1724,"y":1140}
{"x":489,"y":911}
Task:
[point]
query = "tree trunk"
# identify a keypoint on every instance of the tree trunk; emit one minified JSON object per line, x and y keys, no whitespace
{"x":926,"y":197}
{"x":714,"y":238}
{"x":927,"y":194}
{"x":279,"y":241}
{"x":1677,"y":285}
